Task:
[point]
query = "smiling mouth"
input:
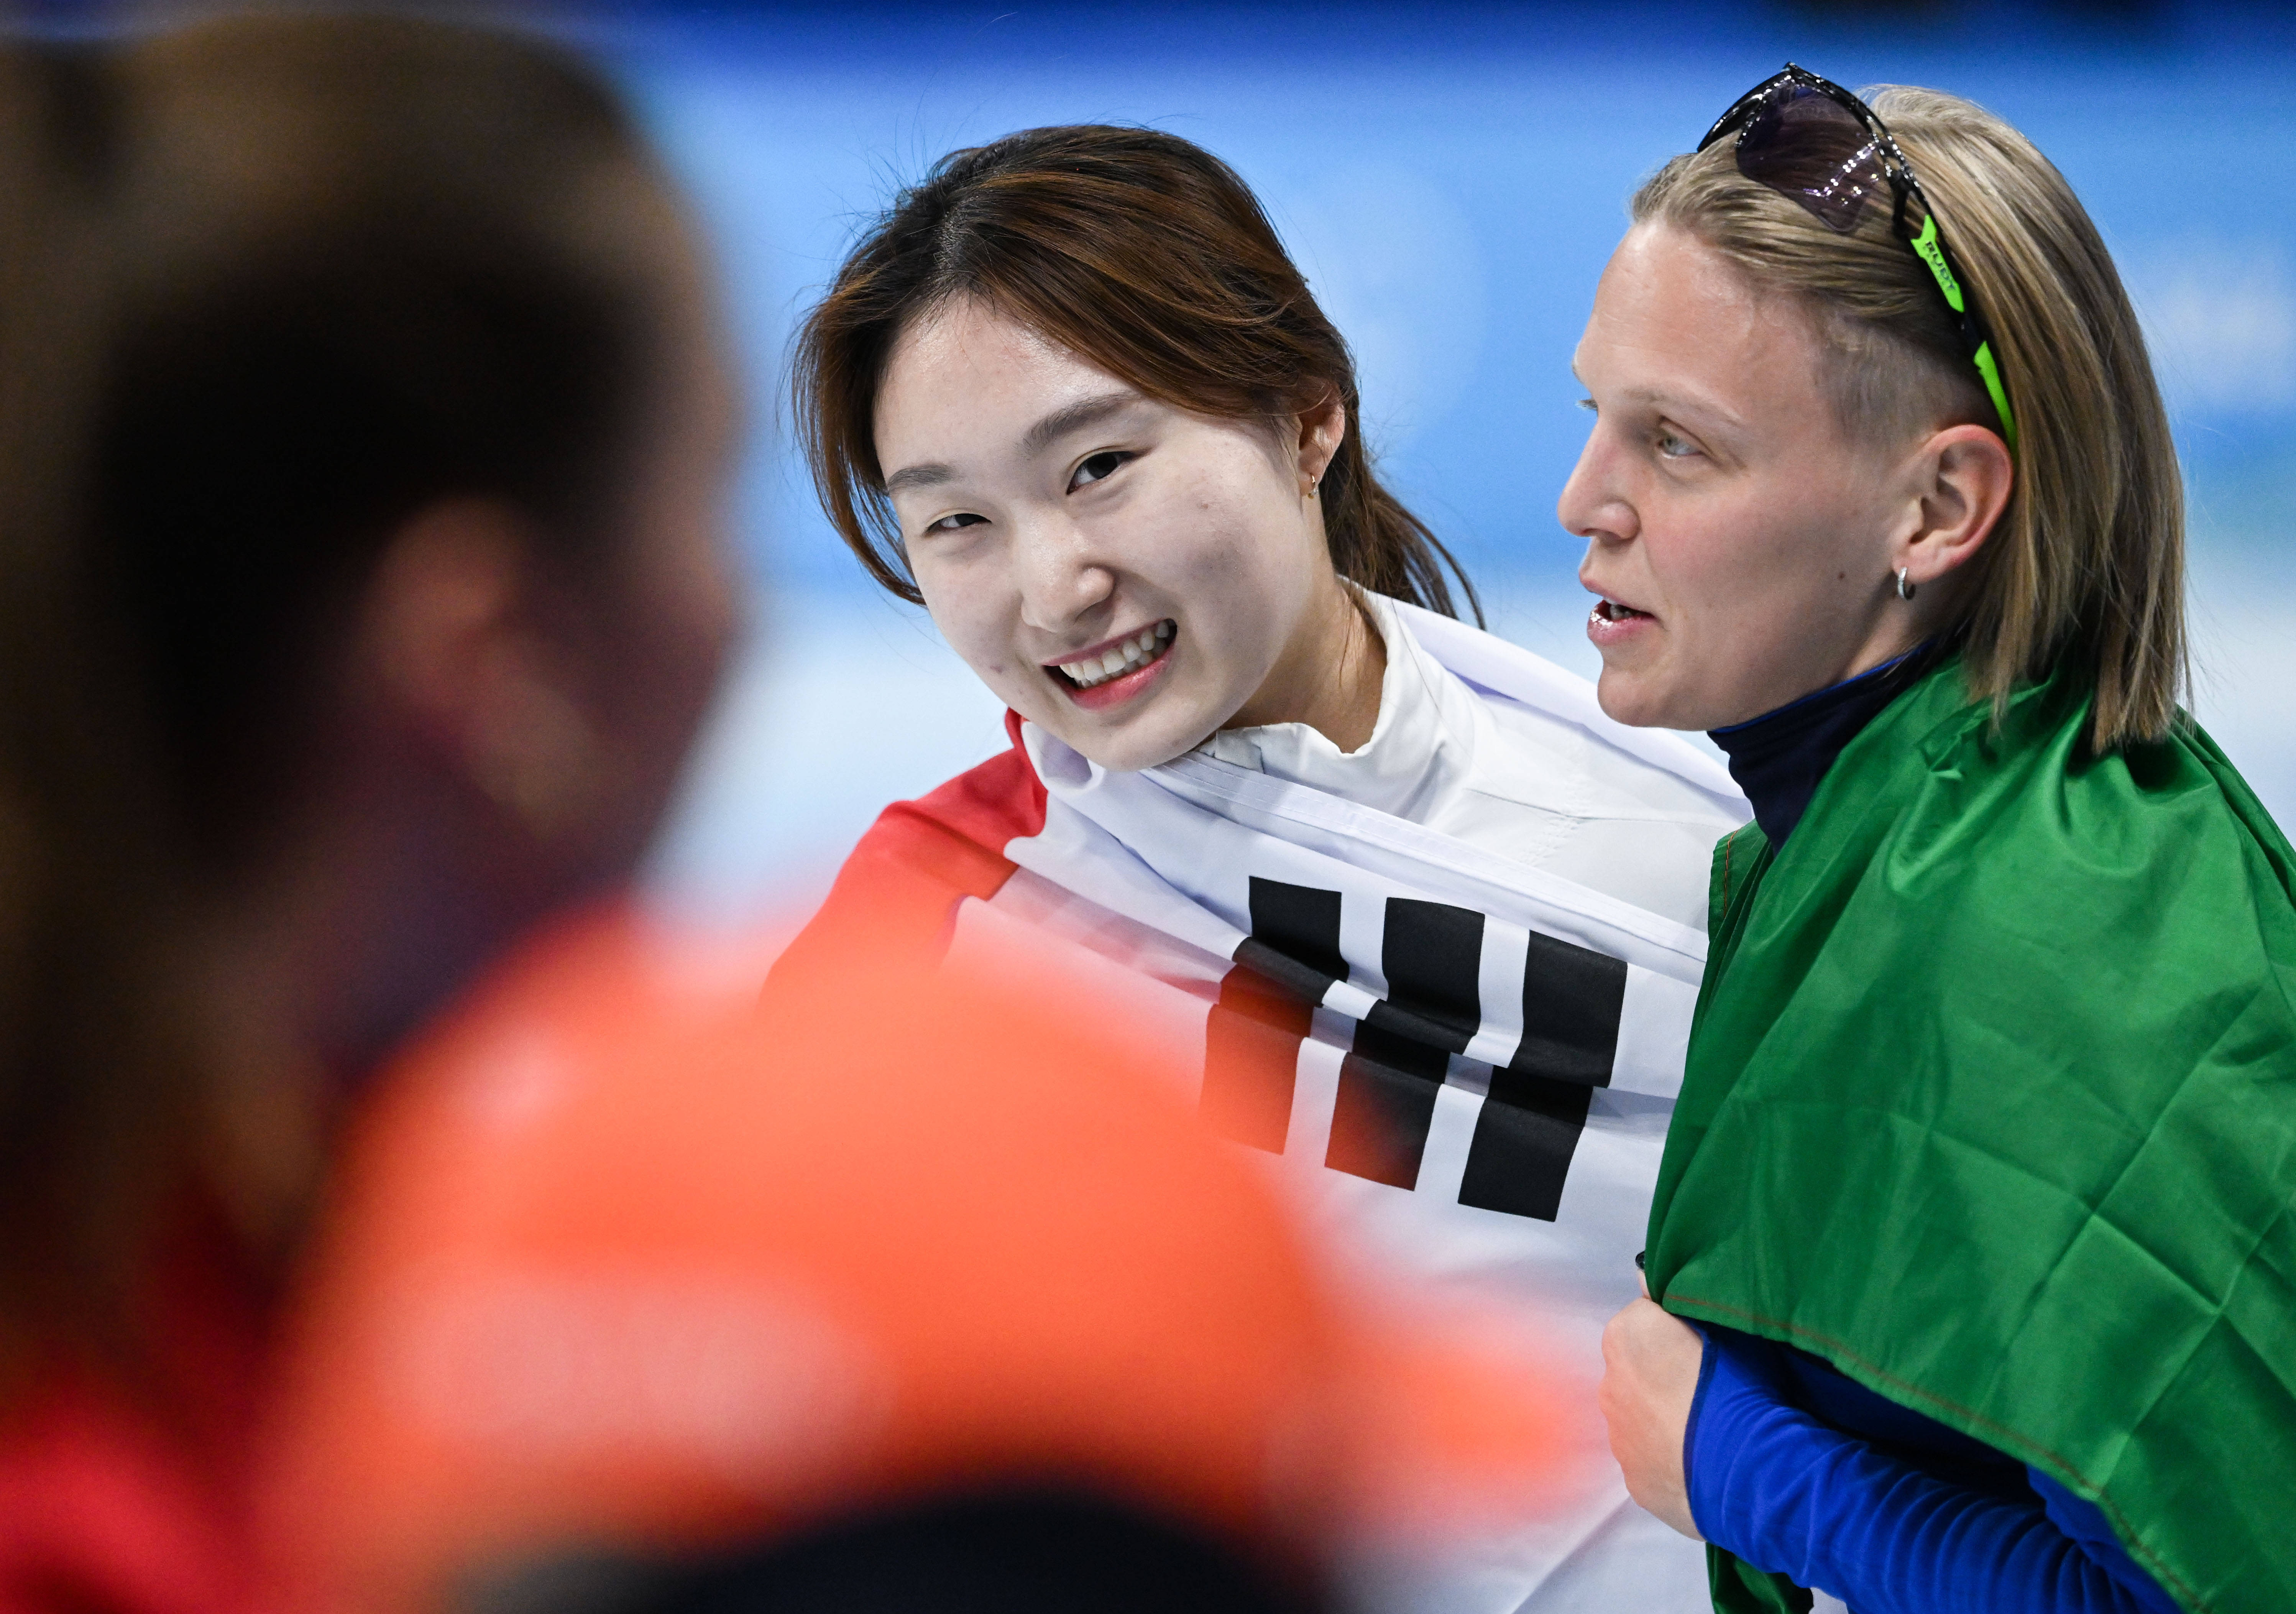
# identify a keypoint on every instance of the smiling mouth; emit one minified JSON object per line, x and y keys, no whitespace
{"x":1611,"y":611}
{"x":1149,"y":645}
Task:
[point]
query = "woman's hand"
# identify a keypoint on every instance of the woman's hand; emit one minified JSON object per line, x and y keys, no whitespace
{"x":1650,"y":1377}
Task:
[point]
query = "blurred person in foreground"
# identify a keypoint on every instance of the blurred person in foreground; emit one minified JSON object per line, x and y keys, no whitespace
{"x":388,"y":599}
{"x":1978,"y":1202}
{"x":385,"y":592}
{"x":1423,"y":927}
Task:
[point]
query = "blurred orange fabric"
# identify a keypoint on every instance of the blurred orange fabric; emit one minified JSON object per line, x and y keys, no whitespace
{"x":621,"y":1256}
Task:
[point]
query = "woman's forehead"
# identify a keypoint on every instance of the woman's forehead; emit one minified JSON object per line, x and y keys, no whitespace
{"x":969,"y":375}
{"x":1675,"y":322}
{"x":961,"y":337}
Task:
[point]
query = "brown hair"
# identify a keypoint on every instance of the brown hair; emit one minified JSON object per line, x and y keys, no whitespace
{"x":2087,"y":560}
{"x":1141,"y":254}
{"x":338,"y":268}
{"x":89,"y":1075}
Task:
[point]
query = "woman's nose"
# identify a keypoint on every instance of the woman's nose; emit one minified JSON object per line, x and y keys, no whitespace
{"x":1592,"y":506}
{"x":1060,"y":576}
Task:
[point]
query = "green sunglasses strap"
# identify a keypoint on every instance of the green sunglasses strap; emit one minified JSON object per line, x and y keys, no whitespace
{"x":1932,"y":251}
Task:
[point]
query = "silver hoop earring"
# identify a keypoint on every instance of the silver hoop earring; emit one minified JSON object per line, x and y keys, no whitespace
{"x":1906,"y":591}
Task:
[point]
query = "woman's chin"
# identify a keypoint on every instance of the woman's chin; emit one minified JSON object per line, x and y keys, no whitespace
{"x":1127,"y":755}
{"x":1123,"y":747}
{"x":1639,"y":700}
{"x":1628,"y":697}
{"x":1157,"y":718}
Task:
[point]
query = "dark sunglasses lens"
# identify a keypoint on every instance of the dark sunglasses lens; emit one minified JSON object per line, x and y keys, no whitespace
{"x":1807,"y":146}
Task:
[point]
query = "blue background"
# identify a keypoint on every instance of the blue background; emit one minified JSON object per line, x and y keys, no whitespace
{"x":1452,"y":179}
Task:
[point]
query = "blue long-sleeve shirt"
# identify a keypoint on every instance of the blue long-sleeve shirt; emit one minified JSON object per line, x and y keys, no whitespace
{"x":1802,"y":1471}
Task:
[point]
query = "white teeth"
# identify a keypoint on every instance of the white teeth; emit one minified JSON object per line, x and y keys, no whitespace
{"x":1136,"y":651}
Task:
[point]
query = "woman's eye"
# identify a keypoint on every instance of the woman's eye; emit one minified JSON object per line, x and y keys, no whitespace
{"x":1098,"y":468}
{"x":951,"y":523}
{"x":1675,"y":448}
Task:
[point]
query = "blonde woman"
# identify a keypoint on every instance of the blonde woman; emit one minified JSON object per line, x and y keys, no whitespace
{"x":1978,"y":1193}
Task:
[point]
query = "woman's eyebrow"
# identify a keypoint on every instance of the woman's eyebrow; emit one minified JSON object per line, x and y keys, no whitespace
{"x":931,"y":474}
{"x":1686,"y":402}
{"x":1073,"y":417}
{"x":1043,"y":435}
{"x":1662,"y":399}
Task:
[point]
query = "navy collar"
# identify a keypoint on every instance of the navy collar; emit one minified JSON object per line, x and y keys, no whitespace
{"x":1778,"y":757}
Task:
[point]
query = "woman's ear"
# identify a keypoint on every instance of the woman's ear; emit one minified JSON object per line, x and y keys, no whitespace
{"x":455,"y":623}
{"x":1966,"y":476}
{"x":1321,"y":431}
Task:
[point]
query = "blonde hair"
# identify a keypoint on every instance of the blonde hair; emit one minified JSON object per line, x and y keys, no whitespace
{"x":2088,"y":559}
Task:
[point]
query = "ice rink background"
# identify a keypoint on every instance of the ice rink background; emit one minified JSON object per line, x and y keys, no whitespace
{"x":1451,"y":180}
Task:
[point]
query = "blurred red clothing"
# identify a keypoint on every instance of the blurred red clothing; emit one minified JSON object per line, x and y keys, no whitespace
{"x":135,"y":1498}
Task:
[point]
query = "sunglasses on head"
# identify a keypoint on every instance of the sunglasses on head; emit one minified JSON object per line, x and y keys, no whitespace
{"x":1808,"y":138}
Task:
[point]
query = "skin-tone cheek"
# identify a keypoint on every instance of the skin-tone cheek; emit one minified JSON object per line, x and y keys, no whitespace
{"x":1054,"y":518}
{"x":1744,"y":545}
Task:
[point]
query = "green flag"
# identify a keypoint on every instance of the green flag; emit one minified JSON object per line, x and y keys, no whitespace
{"x":1991,"y":1103}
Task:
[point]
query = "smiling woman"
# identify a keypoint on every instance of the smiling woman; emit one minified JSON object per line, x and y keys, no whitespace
{"x":984,"y":418}
{"x":1062,"y":532}
{"x":1400,"y":903}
